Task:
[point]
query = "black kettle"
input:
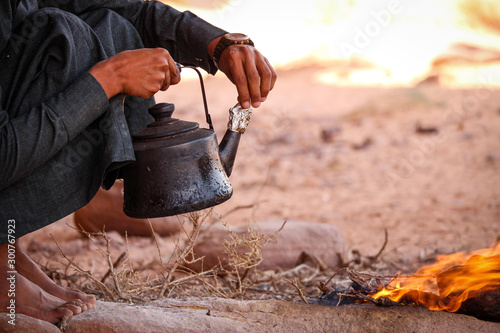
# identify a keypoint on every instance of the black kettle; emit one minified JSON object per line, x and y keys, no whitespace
{"x":179,"y":166}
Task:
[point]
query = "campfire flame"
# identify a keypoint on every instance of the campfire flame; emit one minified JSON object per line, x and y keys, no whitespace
{"x":449,"y":282}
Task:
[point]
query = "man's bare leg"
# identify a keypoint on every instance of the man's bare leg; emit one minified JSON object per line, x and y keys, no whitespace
{"x":29,"y":298}
{"x":30,"y":270}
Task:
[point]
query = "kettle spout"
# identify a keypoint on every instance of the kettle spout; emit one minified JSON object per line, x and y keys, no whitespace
{"x":238,"y":122}
{"x":228,"y":148}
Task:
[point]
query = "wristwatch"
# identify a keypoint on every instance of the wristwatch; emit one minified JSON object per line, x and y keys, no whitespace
{"x":228,"y":40}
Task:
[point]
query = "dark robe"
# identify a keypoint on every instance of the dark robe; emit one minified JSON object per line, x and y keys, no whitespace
{"x":60,"y":137}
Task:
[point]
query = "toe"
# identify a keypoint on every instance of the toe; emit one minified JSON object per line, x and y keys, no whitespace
{"x":60,"y":314}
{"x":73,"y":306}
{"x":90,"y":299}
{"x":86,"y":298}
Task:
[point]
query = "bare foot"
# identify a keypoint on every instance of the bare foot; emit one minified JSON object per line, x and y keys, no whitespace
{"x":31,"y":300}
{"x":30,"y":270}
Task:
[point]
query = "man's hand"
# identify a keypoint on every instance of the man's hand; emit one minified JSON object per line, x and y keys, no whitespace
{"x":250,"y":71}
{"x":139,"y":73}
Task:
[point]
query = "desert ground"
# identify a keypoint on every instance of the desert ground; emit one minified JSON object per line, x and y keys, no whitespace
{"x":340,"y":143}
{"x":421,"y":162}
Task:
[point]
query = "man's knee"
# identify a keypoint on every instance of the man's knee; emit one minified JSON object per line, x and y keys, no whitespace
{"x":116,"y":32}
{"x":100,"y":15}
{"x":47,"y":23}
{"x":48,"y":50}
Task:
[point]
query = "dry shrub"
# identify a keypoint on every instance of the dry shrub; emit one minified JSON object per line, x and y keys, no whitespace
{"x":245,"y":254}
{"x":241,"y":279}
{"x":251,"y":243}
{"x":124,"y":283}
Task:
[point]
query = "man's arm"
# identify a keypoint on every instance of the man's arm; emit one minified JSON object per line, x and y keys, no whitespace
{"x":28,"y":141}
{"x":190,"y":41}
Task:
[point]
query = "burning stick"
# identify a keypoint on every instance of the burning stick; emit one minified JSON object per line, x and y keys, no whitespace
{"x":473,"y":288}
{"x":456,"y":283}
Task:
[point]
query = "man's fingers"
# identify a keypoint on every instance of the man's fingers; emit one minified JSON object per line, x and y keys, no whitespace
{"x":167,"y":80}
{"x":274,"y":75}
{"x":170,"y":70}
{"x":267,"y":78}
{"x":250,"y":71}
{"x":172,"y":74}
{"x":175,"y":74}
{"x":239,"y":78}
{"x":252,"y":78}
{"x":140,"y":72}
{"x":245,"y":76}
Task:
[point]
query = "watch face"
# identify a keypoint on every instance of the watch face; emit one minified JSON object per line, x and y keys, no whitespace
{"x":236,"y":36}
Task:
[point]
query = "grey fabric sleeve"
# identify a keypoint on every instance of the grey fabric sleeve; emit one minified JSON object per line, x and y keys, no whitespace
{"x":184,"y":35}
{"x":26,"y":142}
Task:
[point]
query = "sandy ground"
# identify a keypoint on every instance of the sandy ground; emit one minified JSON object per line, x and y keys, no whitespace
{"x":349,"y":156}
{"x":354,"y":157}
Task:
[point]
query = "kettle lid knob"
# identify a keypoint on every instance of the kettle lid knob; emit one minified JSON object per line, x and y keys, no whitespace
{"x":164,"y":125}
{"x":162,"y":111}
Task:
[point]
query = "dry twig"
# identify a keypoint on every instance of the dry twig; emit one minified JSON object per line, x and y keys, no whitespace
{"x":186,"y":250}
{"x":296,"y":286}
{"x":74,"y":266}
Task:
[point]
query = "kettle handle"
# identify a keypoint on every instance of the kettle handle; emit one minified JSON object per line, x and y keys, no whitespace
{"x":205,"y":104}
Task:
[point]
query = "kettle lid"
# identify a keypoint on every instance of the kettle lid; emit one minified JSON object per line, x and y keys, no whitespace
{"x":164,"y":125}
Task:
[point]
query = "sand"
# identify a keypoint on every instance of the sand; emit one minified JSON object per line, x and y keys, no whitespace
{"x":421,"y":162}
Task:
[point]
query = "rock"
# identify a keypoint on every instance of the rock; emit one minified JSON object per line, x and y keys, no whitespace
{"x":460,"y":52}
{"x":492,"y":158}
{"x":330,"y":134}
{"x":321,"y":240}
{"x":26,"y":324}
{"x":106,"y":211}
{"x":224,"y":315}
{"x":463,"y":64}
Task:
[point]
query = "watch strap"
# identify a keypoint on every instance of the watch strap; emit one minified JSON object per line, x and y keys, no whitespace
{"x":225,"y":42}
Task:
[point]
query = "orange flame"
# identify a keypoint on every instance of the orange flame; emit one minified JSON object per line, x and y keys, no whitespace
{"x":446,"y":284}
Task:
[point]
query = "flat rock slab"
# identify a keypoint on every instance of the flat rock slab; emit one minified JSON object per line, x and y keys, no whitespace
{"x":25,"y":324}
{"x":324,"y":241}
{"x":222,"y":315}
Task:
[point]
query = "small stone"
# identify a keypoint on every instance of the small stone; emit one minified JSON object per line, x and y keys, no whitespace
{"x":330,"y":134}
{"x":492,"y":158}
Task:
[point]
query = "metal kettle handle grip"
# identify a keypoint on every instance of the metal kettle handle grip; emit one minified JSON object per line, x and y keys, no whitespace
{"x":205,"y":104}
